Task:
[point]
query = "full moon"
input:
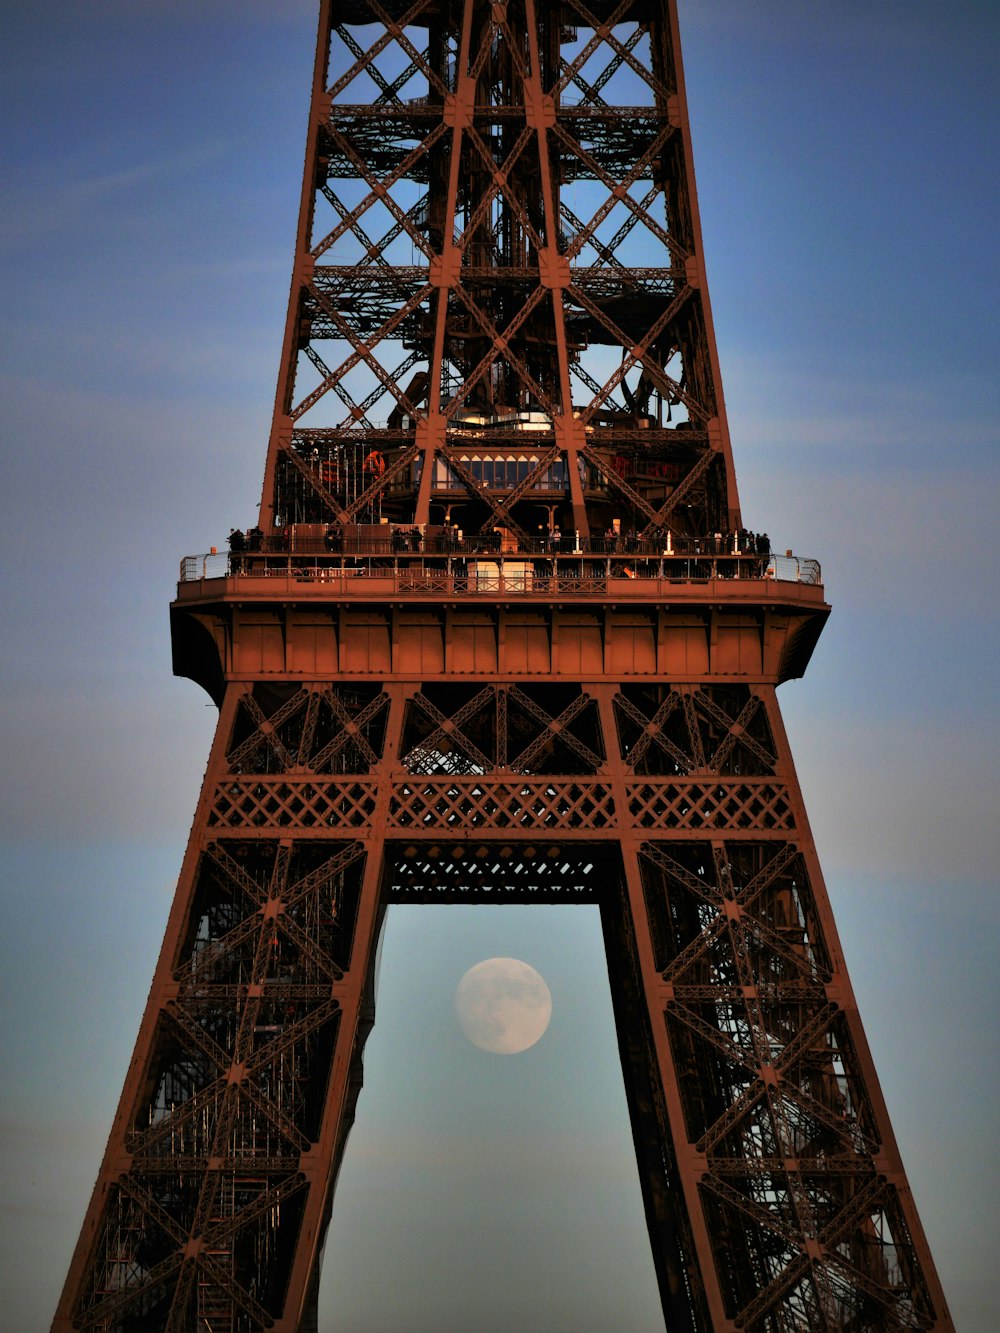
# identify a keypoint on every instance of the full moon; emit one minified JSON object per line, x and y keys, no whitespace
{"x":503,"y":1005}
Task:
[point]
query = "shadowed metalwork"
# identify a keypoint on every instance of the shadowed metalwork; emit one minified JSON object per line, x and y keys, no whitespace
{"x":500,"y":635}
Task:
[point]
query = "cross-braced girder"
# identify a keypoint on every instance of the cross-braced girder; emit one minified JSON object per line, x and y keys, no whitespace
{"x":499,"y":322}
{"x":326,"y":801}
{"x":498,"y":200}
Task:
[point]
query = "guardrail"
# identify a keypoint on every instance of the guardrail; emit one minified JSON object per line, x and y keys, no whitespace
{"x":440,"y":541}
{"x":580,"y":572}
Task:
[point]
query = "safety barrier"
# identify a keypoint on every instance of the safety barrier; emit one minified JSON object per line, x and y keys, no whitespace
{"x":580,"y":572}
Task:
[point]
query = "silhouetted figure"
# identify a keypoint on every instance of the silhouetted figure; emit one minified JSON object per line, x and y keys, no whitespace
{"x":237,"y":545}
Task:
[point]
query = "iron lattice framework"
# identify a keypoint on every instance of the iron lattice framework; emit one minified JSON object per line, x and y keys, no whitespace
{"x":500,"y":635}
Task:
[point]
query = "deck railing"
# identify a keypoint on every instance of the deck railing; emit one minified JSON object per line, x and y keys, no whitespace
{"x":580,"y":572}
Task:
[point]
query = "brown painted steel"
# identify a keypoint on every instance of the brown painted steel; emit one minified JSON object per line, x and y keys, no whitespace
{"x":500,"y":636}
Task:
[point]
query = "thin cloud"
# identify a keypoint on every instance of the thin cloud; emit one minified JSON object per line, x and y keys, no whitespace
{"x":39,"y":207}
{"x":773,"y":402}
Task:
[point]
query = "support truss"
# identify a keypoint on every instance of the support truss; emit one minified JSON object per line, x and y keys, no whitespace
{"x":499,"y":302}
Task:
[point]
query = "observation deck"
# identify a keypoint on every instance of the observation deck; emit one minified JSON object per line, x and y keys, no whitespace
{"x":472,"y":569}
{"x":489,"y":606}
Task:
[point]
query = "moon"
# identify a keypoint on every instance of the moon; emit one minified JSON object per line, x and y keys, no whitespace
{"x":503,"y":1005}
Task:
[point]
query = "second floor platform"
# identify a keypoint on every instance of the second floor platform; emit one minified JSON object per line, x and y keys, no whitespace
{"x":582,"y":613}
{"x":408,"y":562}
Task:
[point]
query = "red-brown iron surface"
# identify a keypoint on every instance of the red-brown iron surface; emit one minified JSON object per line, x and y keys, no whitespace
{"x":500,"y":632}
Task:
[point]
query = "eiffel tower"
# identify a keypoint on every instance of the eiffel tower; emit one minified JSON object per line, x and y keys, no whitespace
{"x":500,"y":634}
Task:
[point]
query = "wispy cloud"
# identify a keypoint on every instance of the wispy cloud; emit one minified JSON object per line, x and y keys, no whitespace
{"x":890,"y":29}
{"x":40,"y":205}
{"x":857,"y":412}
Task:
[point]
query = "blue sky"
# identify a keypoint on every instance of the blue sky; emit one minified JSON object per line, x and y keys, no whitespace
{"x":846,"y":165}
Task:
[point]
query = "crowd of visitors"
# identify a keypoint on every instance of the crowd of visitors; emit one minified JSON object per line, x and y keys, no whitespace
{"x":448,"y":538}
{"x":240,"y":541}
